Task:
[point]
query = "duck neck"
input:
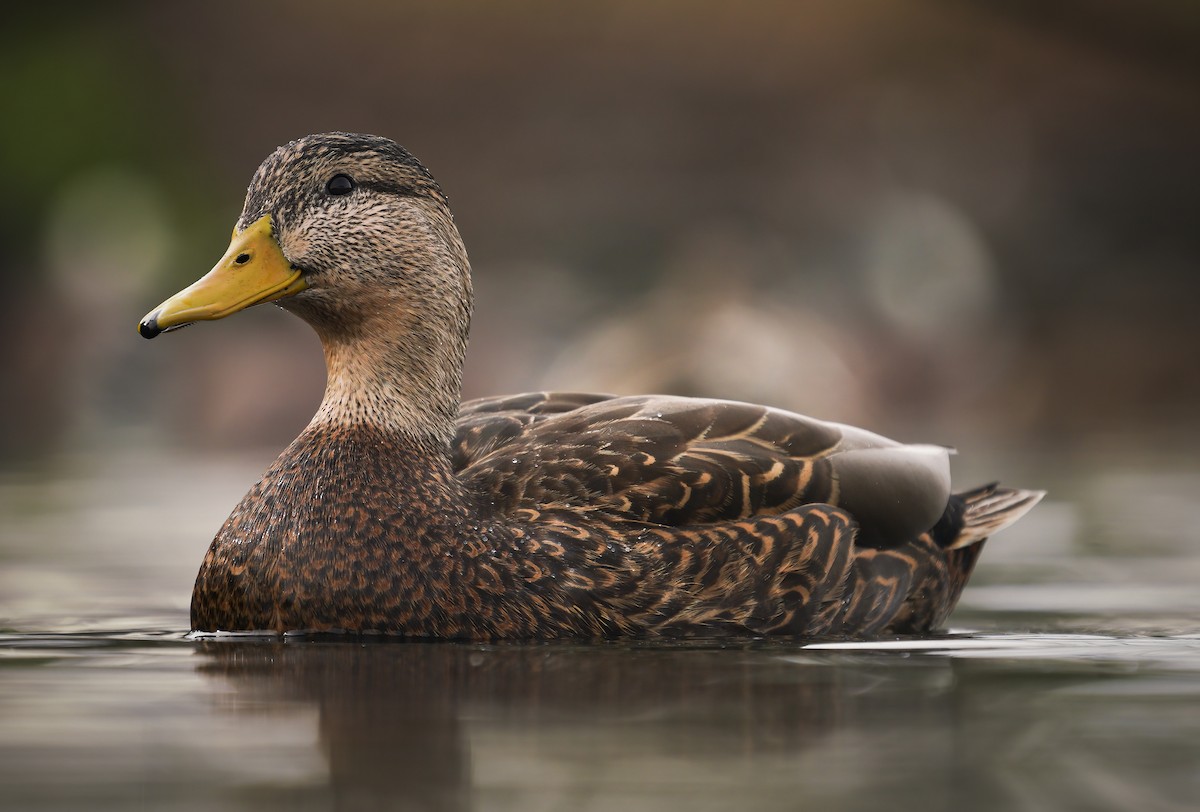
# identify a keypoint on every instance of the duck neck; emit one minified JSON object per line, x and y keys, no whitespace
{"x":406,"y":385}
{"x":395,"y":336}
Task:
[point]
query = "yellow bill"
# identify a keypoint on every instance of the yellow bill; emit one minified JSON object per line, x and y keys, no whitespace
{"x":253,"y":270}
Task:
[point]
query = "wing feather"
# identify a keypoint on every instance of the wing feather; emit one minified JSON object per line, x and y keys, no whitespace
{"x":685,"y":461}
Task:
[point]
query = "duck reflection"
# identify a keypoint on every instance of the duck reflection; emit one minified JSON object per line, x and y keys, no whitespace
{"x":398,"y":722}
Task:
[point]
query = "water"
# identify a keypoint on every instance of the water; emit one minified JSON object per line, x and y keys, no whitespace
{"x":1070,"y":678}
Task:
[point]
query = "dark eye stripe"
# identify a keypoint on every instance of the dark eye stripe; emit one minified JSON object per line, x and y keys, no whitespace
{"x":392,"y":189}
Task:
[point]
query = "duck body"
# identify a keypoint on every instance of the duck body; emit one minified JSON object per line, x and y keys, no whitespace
{"x":545,"y":515}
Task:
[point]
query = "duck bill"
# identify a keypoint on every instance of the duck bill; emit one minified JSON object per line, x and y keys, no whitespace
{"x":253,"y":270}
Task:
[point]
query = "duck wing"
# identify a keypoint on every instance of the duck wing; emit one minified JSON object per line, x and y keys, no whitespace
{"x":678,"y":462}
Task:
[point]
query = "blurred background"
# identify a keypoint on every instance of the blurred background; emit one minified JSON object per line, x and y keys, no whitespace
{"x":965,"y":222}
{"x":972,"y":223}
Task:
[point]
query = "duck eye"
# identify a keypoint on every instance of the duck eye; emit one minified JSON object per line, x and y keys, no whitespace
{"x":339,"y":185}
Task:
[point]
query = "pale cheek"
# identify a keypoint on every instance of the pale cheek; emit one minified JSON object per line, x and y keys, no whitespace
{"x":367,"y":229}
{"x":377,"y":220}
{"x":295,"y":243}
{"x":295,"y":249}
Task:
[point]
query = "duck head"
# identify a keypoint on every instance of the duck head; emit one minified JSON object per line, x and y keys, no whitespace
{"x":351,"y":233}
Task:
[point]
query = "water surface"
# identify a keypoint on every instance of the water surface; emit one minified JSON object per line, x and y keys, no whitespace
{"x":1070,"y":679}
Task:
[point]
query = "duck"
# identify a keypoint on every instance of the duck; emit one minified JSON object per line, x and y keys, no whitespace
{"x":402,"y":510}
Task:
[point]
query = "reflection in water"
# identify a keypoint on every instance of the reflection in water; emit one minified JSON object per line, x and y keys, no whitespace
{"x":763,"y":726}
{"x":395,"y":719}
{"x":979,"y":722}
{"x":388,"y":720}
{"x":399,"y":724}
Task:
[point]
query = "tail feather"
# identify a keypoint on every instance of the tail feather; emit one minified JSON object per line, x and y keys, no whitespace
{"x":990,"y":509}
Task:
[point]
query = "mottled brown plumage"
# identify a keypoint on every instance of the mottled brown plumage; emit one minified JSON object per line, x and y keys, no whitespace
{"x":549,"y":514}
